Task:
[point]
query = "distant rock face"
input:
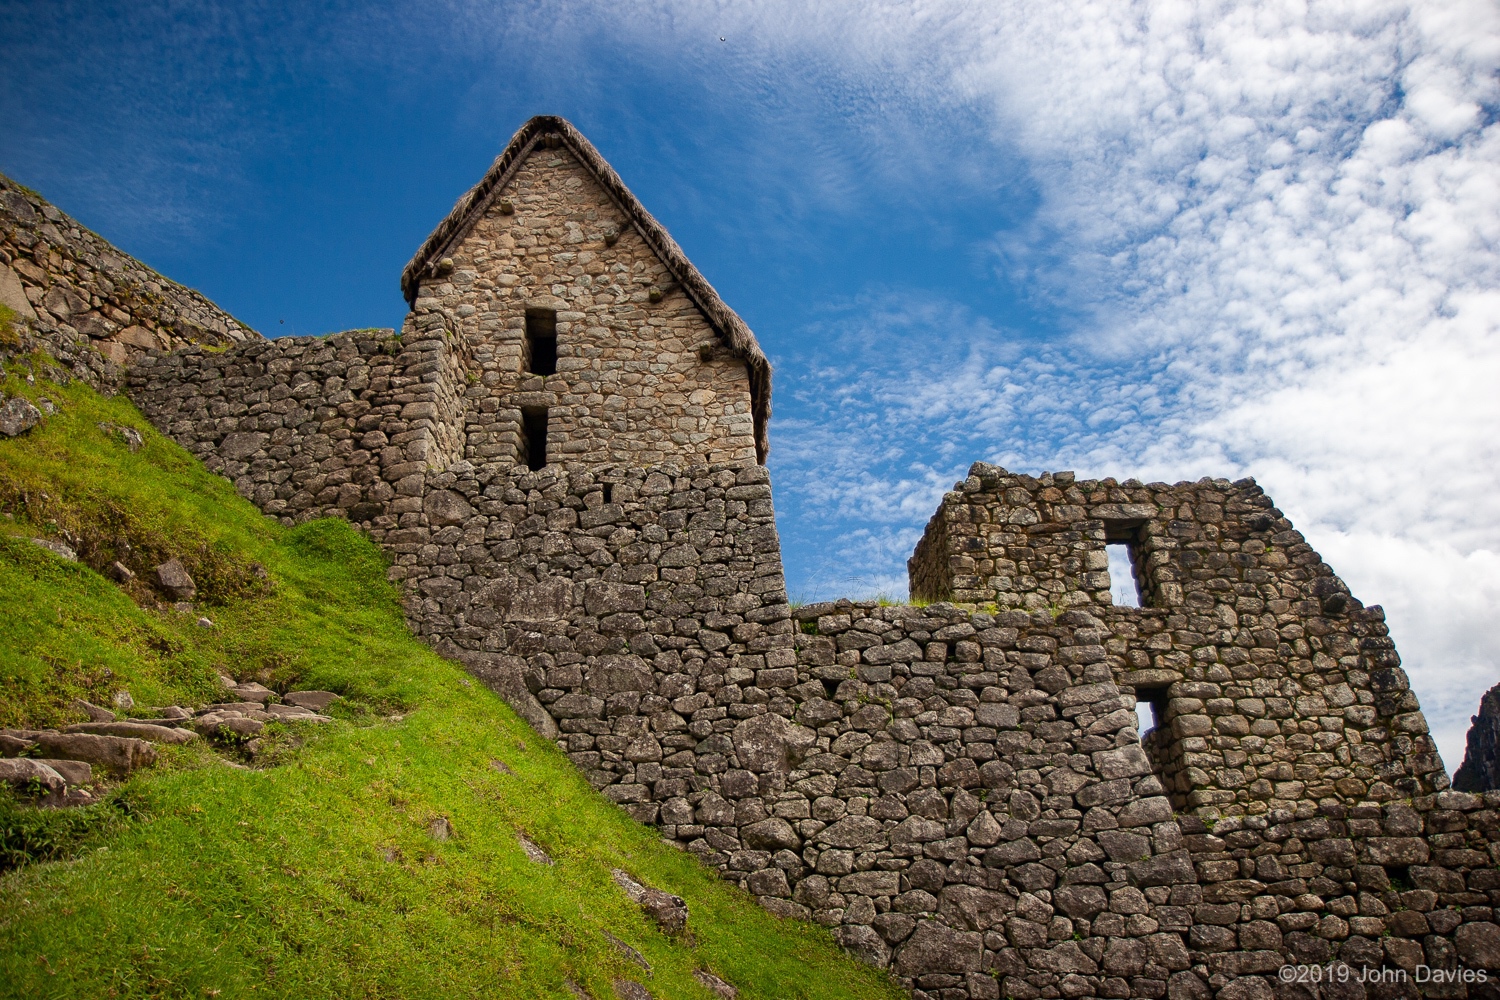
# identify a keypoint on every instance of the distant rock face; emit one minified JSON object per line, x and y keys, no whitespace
{"x":1480,"y":771}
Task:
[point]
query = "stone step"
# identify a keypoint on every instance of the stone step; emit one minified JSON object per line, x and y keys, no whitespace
{"x":139,"y":729}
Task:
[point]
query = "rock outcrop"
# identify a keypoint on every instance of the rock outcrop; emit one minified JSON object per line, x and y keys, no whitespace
{"x":1480,"y":771}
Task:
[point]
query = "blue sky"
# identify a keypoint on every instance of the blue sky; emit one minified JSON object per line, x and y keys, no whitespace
{"x":1165,"y":240}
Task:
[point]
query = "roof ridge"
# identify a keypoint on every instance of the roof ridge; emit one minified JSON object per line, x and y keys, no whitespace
{"x":471,"y":207}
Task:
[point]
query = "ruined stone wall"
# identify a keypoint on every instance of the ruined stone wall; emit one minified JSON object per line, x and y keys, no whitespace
{"x":1247,"y":635}
{"x":961,"y":795}
{"x":1480,"y":770}
{"x":87,"y":303}
{"x":642,"y":378}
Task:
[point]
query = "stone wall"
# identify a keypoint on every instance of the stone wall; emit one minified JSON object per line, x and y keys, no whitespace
{"x":1247,"y":635}
{"x":87,"y":303}
{"x":641,"y":377}
{"x":958,"y":792}
{"x":347,"y":425}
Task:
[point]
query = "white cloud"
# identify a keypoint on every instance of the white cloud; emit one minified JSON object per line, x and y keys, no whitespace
{"x":1281,"y":221}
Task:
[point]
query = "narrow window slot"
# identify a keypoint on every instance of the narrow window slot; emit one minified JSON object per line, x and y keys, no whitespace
{"x":541,"y":341}
{"x":534,"y":436}
{"x":1149,"y":711}
{"x":1123,"y":589}
{"x":1145,"y":718}
{"x":609,"y":492}
{"x":1162,"y":749}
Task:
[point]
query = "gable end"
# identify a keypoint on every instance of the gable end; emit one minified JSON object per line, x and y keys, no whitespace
{"x":544,"y":129}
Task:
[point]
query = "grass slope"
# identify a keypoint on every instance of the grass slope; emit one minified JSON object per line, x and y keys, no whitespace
{"x":196,"y":879}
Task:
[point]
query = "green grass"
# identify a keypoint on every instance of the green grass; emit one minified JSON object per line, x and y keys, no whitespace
{"x":198,"y":879}
{"x":8,"y":335}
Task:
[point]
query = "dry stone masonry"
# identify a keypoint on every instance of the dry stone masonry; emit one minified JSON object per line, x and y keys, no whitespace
{"x":85,"y":302}
{"x":562,"y":455}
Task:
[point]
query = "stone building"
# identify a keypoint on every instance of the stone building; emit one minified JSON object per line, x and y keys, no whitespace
{"x":562,"y":455}
{"x":586,"y":335}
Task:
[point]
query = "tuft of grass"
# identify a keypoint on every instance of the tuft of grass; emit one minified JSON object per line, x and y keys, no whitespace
{"x":9,"y":335}
{"x":29,"y":835}
{"x":318,"y":877}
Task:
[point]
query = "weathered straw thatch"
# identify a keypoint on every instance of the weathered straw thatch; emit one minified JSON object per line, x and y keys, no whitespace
{"x":471,"y":207}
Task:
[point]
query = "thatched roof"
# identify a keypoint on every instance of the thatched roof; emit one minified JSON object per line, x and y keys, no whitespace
{"x":471,"y":207}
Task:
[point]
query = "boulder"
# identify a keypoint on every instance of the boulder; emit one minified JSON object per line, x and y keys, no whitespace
{"x":57,"y":548}
{"x":670,"y":912}
{"x":240,"y":726}
{"x":13,"y":294}
{"x":772,"y":834}
{"x":984,"y":831}
{"x":228,"y":726}
{"x":94,"y":712}
{"x":502,"y":675}
{"x":120,"y":754}
{"x":17,"y":416}
{"x":532,"y":850}
{"x":1063,"y":959}
{"x":616,"y":673}
{"x":768,"y":743}
{"x":239,"y":446}
{"x":24,"y":772}
{"x":1165,"y":869}
{"x":74,"y":772}
{"x":172,"y":576}
{"x":13,"y":746}
{"x":1478,"y":945}
{"x":545,"y":600}
{"x":863,"y":943}
{"x":296,"y":713}
{"x":601,"y":598}
{"x":718,"y":987}
{"x":1247,"y":988}
{"x":851,"y":831}
{"x":251,"y":691}
{"x":445,"y":507}
{"x":933,"y":947}
{"x":139,"y":730}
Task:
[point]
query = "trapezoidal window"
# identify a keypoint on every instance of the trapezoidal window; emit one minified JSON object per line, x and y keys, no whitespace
{"x":541,"y":342}
{"x":534,"y":436}
{"x":1151,"y":711}
{"x":1121,"y":546}
{"x":1164,"y":752}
